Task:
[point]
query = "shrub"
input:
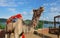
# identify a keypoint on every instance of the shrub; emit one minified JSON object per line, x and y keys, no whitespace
{"x":2,"y":26}
{"x":40,"y":25}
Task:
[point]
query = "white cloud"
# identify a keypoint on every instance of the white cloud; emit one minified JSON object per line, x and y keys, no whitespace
{"x":4,"y":17}
{"x":21,"y":3}
{"x":44,"y":18}
{"x":53,"y":4}
{"x":45,"y":4}
{"x":55,"y":9}
{"x":49,"y":16}
{"x":11,"y":3}
{"x":12,"y":10}
{"x":24,"y":13}
{"x":7,"y":3}
{"x":31,"y":12}
{"x":52,"y":15}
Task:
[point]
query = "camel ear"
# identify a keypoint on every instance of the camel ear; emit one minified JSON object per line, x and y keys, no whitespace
{"x":34,"y":10}
{"x":41,"y":7}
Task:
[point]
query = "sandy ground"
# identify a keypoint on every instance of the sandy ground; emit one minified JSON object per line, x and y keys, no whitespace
{"x":41,"y":34}
{"x":46,"y":33}
{"x":31,"y":35}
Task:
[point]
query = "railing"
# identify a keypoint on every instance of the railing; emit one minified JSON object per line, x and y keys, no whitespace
{"x":55,"y":31}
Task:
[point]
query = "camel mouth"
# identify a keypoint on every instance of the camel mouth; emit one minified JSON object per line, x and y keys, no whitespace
{"x":41,"y":9}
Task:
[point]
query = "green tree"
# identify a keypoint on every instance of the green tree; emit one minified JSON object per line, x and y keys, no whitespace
{"x":39,"y":26}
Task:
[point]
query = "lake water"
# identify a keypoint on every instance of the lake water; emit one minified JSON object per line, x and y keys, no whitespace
{"x":44,"y":25}
{"x":4,"y":23}
{"x":48,"y":25}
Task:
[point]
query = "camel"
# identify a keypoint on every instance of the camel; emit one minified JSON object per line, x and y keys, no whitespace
{"x":16,"y":25}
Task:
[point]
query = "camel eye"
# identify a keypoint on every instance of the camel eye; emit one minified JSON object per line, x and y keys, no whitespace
{"x":14,"y":20}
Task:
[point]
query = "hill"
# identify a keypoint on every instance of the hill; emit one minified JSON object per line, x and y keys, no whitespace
{"x":3,"y":20}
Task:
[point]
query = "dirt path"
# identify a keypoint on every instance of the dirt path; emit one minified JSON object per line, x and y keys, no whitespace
{"x":41,"y":34}
{"x":31,"y":35}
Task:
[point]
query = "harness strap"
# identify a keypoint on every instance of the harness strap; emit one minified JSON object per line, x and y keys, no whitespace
{"x":21,"y":34}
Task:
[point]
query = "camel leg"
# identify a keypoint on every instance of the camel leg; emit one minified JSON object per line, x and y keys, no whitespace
{"x":20,"y":37}
{"x":12,"y":35}
{"x":16,"y":34}
{"x":7,"y":35}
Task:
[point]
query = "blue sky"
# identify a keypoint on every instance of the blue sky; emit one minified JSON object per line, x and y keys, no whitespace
{"x":25,"y":7}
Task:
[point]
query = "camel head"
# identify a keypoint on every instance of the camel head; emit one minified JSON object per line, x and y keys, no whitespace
{"x":37,"y":12}
{"x":41,"y":9}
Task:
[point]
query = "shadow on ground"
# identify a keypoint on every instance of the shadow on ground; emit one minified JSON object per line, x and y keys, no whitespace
{"x":41,"y":35}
